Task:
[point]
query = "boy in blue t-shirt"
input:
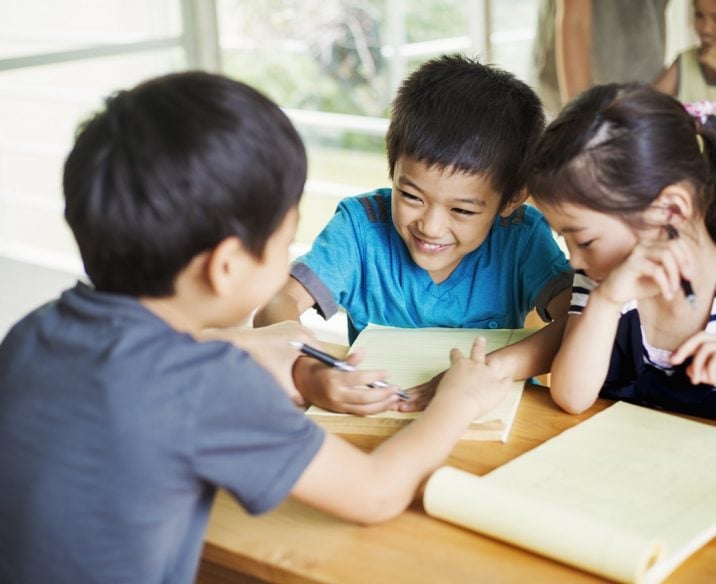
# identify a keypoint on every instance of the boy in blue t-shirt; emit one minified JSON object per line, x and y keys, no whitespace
{"x":118,"y":419}
{"x":452,"y":244}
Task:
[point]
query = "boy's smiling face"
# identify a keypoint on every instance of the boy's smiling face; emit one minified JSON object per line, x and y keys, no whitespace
{"x":440,"y":214}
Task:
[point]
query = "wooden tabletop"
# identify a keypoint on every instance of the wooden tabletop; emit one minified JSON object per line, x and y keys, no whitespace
{"x":295,"y":543}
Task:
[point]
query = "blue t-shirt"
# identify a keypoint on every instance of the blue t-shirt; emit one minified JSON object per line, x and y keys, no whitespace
{"x":360,"y":262}
{"x":116,"y":431}
{"x":641,"y":374}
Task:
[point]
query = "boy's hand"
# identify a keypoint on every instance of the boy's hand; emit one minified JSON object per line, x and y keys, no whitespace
{"x":420,"y":395}
{"x":471,"y":379}
{"x":343,"y":391}
{"x":702,"y":347}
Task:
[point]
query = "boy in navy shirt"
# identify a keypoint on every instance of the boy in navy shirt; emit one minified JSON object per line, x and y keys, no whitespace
{"x":452,"y":244}
{"x":117,"y":421}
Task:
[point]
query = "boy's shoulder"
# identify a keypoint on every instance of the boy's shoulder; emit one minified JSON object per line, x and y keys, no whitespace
{"x":370,"y":207}
{"x":525,"y":216}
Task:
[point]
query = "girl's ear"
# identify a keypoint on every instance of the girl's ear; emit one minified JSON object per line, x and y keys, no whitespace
{"x":674,"y":205}
{"x":518,"y":198}
{"x":226,"y":265}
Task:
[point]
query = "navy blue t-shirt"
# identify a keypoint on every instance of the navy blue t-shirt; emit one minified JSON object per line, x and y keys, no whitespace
{"x":115,"y":432}
{"x":641,"y":374}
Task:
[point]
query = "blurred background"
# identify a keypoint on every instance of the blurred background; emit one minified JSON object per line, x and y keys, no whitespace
{"x":333,"y":65}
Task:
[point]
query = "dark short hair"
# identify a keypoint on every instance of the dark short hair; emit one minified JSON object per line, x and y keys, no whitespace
{"x":455,"y":113}
{"x":615,"y":148}
{"x":171,"y":168}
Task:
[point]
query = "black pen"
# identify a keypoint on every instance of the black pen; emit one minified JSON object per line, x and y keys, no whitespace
{"x":331,"y":361}
{"x":672,"y":233}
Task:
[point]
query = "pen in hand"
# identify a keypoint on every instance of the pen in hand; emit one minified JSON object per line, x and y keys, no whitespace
{"x":331,"y":361}
{"x":672,"y":233}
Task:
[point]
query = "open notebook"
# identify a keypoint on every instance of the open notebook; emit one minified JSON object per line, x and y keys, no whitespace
{"x":628,"y":494}
{"x":414,"y":356}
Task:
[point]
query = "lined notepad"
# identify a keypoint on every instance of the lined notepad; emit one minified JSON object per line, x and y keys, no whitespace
{"x":414,"y":356}
{"x":629,"y":494}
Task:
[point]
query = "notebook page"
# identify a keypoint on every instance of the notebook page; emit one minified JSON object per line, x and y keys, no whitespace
{"x":414,"y":356}
{"x":644,"y":472}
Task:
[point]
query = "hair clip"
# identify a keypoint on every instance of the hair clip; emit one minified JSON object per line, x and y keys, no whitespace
{"x":701,"y":110}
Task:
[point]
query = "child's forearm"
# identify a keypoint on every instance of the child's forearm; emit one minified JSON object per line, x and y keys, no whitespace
{"x":531,"y":356}
{"x":370,"y":488}
{"x":280,"y":308}
{"x":581,"y":365}
{"x":374,"y":487}
{"x":288,"y":304}
{"x":429,"y":439}
{"x":573,"y":46}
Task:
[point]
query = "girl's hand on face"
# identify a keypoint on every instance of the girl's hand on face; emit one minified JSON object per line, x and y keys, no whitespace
{"x":702,"y":347}
{"x":653,"y":267}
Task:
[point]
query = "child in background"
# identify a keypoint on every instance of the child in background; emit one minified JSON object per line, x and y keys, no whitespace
{"x":117,"y":424}
{"x":451,"y":244}
{"x":626,"y":175}
{"x":692,"y":75}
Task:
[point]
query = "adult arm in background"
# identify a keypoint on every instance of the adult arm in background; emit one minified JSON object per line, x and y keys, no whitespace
{"x":573,"y":47}
{"x":668,"y":81}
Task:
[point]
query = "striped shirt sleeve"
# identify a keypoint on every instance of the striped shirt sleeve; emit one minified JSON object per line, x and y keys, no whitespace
{"x":582,"y":285}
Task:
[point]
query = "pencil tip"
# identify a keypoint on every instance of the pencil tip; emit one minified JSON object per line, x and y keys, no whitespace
{"x":297,"y":344}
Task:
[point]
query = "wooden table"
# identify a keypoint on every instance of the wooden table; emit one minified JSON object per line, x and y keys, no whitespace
{"x":295,"y":543}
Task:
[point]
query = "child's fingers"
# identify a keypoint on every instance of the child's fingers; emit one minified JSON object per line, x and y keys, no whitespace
{"x":683,"y":258}
{"x":665,"y":263}
{"x":702,"y":348}
{"x":365,"y":401}
{"x":477,"y":353}
{"x":359,"y":377}
{"x":420,"y":395}
{"x":659,"y":276}
{"x":355,"y":357}
{"x":372,"y":408}
{"x":670,"y":267}
{"x":414,"y":405}
{"x":690,"y":346}
{"x":701,"y":369}
{"x":709,"y":372}
{"x":455,"y":355}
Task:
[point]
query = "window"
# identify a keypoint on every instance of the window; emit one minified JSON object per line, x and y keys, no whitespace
{"x":53,"y":77}
{"x":333,"y":65}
